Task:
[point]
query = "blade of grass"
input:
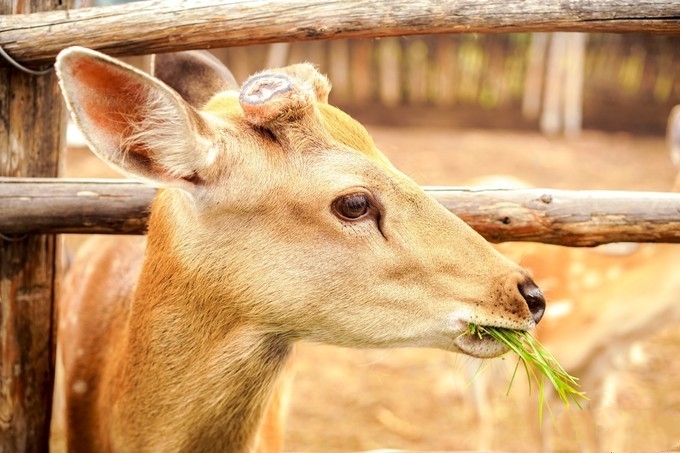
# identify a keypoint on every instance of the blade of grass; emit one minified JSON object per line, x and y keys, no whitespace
{"x":536,"y":359}
{"x":512,"y":379}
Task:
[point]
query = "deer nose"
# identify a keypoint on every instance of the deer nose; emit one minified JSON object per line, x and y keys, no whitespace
{"x":534,"y":297}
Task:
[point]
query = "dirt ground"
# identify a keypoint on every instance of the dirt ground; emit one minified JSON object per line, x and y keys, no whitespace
{"x":346,"y":400}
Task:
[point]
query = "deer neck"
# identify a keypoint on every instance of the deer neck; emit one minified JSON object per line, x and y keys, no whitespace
{"x":215,"y":371}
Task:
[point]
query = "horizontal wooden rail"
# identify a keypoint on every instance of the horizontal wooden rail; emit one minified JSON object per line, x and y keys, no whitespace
{"x":574,"y":218}
{"x":51,"y":205}
{"x":163,"y":26}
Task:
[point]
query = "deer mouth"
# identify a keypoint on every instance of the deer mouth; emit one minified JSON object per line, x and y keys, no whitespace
{"x":483,"y":347}
{"x":469,"y":341}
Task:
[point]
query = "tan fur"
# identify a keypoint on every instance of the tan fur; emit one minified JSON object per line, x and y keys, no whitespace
{"x":184,"y":349}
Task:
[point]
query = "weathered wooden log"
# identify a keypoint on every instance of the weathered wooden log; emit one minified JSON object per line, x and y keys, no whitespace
{"x":574,"y":218}
{"x":160,"y":26}
{"x":107,"y":206}
{"x":32,"y":134}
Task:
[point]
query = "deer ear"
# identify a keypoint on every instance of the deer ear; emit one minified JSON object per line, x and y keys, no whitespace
{"x":196,"y":75}
{"x":134,"y":122}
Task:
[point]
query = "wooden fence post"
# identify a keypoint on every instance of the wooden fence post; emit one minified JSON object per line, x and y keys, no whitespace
{"x":32,"y":134}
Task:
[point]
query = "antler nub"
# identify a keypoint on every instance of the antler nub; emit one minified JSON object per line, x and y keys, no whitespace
{"x":282,"y":94}
{"x":270,"y":96}
{"x":263,"y":87}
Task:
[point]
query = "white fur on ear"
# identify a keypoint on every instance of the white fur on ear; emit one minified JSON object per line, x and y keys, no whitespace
{"x":134,"y":122}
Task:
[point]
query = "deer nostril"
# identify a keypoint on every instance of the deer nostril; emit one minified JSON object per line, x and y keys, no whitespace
{"x":534,"y":297}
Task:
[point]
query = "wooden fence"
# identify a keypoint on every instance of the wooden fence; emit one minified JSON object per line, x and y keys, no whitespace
{"x":32,"y":126}
{"x":156,"y":26}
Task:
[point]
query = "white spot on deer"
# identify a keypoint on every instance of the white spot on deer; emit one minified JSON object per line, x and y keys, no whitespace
{"x":79,"y":387}
{"x":559,"y":309}
{"x":614,"y":272}
{"x":592,"y":280}
{"x":638,"y":355}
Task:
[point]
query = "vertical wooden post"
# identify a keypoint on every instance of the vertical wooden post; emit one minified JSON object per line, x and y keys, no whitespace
{"x":417,"y":56}
{"x":573,"y":85}
{"x":552,"y":117}
{"x":32,"y":134}
{"x":339,"y":68}
{"x":390,"y":71}
{"x":361,"y":52}
{"x":533,"y":82}
{"x":443,"y":75}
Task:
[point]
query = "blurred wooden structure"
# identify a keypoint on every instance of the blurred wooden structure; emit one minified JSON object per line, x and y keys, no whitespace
{"x":32,"y":136}
{"x":507,"y":80}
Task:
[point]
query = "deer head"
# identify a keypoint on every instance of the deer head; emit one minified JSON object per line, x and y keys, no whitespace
{"x":278,"y":210}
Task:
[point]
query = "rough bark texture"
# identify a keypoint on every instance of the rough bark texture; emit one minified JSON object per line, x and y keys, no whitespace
{"x":73,"y":206}
{"x":159,"y":26}
{"x":575,"y":218}
{"x":32,"y":119}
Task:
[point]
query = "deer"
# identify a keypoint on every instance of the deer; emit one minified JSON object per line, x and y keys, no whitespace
{"x":277,"y":220}
{"x":611,"y":297}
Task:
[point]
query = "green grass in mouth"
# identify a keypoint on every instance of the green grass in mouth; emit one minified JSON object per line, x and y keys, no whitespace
{"x":538,"y":363}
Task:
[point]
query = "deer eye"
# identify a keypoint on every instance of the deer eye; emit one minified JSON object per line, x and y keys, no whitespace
{"x":351,"y":207}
